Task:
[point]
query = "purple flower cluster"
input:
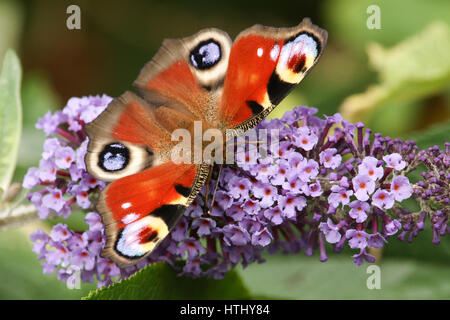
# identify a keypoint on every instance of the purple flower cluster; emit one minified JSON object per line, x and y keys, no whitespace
{"x":62,"y":172}
{"x":329,"y":184}
{"x":433,"y":195}
{"x":66,"y":251}
{"x":321,"y":186}
{"x":61,"y":184}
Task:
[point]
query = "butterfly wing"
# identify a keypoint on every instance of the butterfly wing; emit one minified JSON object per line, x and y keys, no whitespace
{"x":265,"y":64}
{"x":187,"y":74}
{"x":130,"y":146}
{"x":139,"y":210}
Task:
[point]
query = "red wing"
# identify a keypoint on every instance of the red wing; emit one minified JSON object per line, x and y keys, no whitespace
{"x":134,"y":131}
{"x":139,"y":210}
{"x":125,"y":138}
{"x":176,"y":85}
{"x":264,"y":65}
{"x":186,"y":73}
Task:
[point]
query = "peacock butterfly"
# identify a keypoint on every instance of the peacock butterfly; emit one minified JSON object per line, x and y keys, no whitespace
{"x":205,"y":77}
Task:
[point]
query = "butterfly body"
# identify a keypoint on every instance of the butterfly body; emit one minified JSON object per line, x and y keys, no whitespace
{"x":197,"y":84}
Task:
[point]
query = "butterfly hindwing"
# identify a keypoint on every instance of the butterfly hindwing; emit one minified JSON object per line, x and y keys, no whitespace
{"x":265,"y":64}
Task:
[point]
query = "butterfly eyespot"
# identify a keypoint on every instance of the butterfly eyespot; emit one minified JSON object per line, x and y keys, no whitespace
{"x":206,"y":54}
{"x":114,"y":157}
{"x":297,"y":49}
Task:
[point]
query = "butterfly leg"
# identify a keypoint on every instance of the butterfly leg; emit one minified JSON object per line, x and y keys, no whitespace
{"x":215,"y":188}
{"x":208,"y":182}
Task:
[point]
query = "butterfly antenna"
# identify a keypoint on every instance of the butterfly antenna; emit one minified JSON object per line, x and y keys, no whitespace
{"x":215,"y":188}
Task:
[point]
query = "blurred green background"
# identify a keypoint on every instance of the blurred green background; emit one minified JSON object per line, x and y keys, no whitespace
{"x":396,"y":79}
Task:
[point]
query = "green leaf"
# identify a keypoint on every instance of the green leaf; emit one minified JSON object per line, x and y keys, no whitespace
{"x":10,"y":117}
{"x":414,"y":69}
{"x":302,"y":277}
{"x":38,"y":97}
{"x":11,"y":24}
{"x":436,"y":135}
{"x":420,"y":249}
{"x":159,"y":281}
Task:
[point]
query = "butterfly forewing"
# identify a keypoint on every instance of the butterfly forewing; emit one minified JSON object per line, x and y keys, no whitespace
{"x":265,"y":64}
{"x":187,"y":74}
